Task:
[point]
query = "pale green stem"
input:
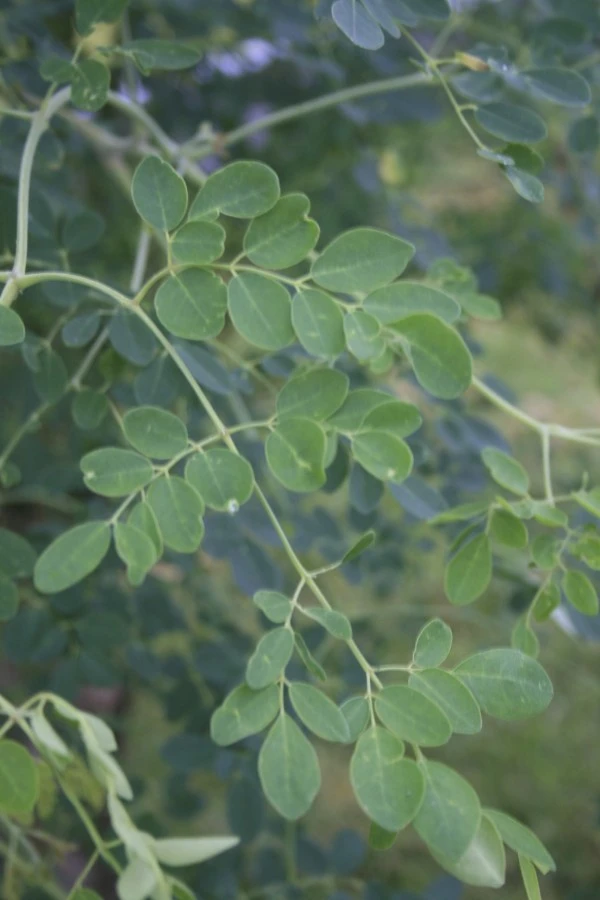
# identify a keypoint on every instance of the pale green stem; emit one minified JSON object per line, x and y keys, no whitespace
{"x":546,"y":466}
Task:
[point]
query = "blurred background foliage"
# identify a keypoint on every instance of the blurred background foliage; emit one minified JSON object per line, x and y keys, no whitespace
{"x":156,"y":660}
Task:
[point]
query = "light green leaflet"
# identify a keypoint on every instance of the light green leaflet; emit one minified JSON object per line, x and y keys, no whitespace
{"x":178,"y":509}
{"x":192,"y":304}
{"x":356,"y":713}
{"x":318,"y":323}
{"x":483,"y":863}
{"x":469,"y":572}
{"x":453,"y":698}
{"x":507,"y":529}
{"x":433,"y":644}
{"x":260,"y":310}
{"x":190,"y":851}
{"x":506,"y":683}
{"x":155,"y":432}
{"x":580,"y":592}
{"x":383,"y":455}
{"x":314,"y":393}
{"x":319,"y":713}
{"x":404,"y":298}
{"x":17,"y":556}
{"x":336,"y":623}
{"x":439,"y":356}
{"x":506,"y":471}
{"x":396,"y":417}
{"x":198,"y":243}
{"x":19,"y":779}
{"x":270,"y":658}
{"x":522,"y":840}
{"x":363,"y":337}
{"x":274,"y":605}
{"x":449,"y":816}
{"x":136,"y":550}
{"x":360,"y":260}
{"x":283,"y":236}
{"x":142,"y":518}
{"x":12,"y":330}
{"x":387,"y":787}
{"x":242,"y":713}
{"x":113,"y":472}
{"x":71,"y":557}
{"x":411,"y":716}
{"x":159,"y":193}
{"x":241,"y":189}
{"x":296,"y":454}
{"x":223,"y":479}
{"x":89,"y":408}
{"x":289,"y":769}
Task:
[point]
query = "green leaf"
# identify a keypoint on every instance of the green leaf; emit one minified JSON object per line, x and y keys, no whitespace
{"x":355,"y":22}
{"x":505,"y":470}
{"x":469,"y":572}
{"x":17,"y":556}
{"x":362,"y":333}
{"x":319,"y":713}
{"x":296,"y":454}
{"x":12,"y":330}
{"x":272,"y":654}
{"x":356,"y":713}
{"x":85,"y":894}
{"x":449,"y":817}
{"x":526,"y":185}
{"x":223,"y":479}
{"x":359,"y":546}
{"x":155,"y":432}
{"x":562,"y":86}
{"x":50,"y":378}
{"x":380,"y":838}
{"x":242,"y":713}
{"x":151,"y":53}
{"x":396,"y":418}
{"x":580,"y":592}
{"x":260,"y":310}
{"x":530,"y":879}
{"x":193,"y":303}
{"x":289,"y":769}
{"x":90,"y":85}
{"x":546,"y":601}
{"x":314,"y":393}
{"x":284,"y":236}
{"x":383,"y":455}
{"x":433,"y":644}
{"x":113,"y":472}
{"x":427,"y":9}
{"x":137,"y":880}
{"x":405,"y":298}
{"x":274,"y":605}
{"x":361,"y":260}
{"x":46,"y":734}
{"x":88,"y":13}
{"x":241,"y":189}
{"x":453,"y":698}
{"x":198,"y":243}
{"x":388,"y":788}
{"x":336,"y":623}
{"x":81,"y":329}
{"x":19,"y":779}
{"x":481,"y":306}
{"x":72,"y":556}
{"x":136,"y":550}
{"x":512,"y":123}
{"x":142,"y":518}
{"x":412,"y":717}
{"x":522,"y":840}
{"x":357,"y":406}
{"x":318,"y":323}
{"x":190,"y":851}
{"x":524,"y":638}
{"x":82,"y":230}
{"x":483,"y":864}
{"x":508,"y":530}
{"x":9,"y":599}
{"x":159,"y":193}
{"x":589,"y":500}
{"x":439,"y":356}
{"x":311,"y":664}
{"x":178,"y":509}
{"x":506,"y":683}
{"x":382,"y":15}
